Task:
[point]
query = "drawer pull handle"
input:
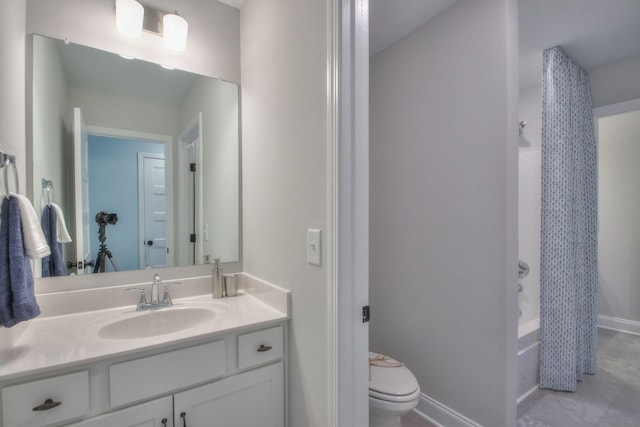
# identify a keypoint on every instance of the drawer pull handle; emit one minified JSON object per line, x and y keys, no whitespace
{"x":183,"y":415}
{"x":164,"y":422}
{"x":264,"y":348}
{"x":48,"y":404}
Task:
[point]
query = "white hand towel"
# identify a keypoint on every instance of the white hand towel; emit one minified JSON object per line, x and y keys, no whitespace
{"x":63,"y":233}
{"x":35,"y":245}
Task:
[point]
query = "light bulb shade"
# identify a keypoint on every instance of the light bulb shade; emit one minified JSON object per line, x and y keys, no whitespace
{"x":175,"y":30}
{"x":129,"y":16}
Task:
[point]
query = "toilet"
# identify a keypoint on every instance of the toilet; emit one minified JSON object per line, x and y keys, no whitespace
{"x":393,"y":392}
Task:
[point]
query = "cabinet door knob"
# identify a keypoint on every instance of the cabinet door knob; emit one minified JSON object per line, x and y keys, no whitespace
{"x":183,"y":415}
{"x":164,"y":422}
{"x":264,"y":348}
{"x":48,"y":404}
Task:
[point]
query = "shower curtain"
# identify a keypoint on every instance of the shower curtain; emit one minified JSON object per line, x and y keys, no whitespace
{"x":569,"y":245}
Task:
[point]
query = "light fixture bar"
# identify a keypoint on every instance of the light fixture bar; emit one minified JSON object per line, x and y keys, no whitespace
{"x":152,"y":22}
{"x":132,"y":18}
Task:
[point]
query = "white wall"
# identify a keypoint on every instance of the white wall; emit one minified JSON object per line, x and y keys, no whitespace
{"x":443,"y":180}
{"x":12,"y":101}
{"x":212,"y":46}
{"x":51,"y":125}
{"x":50,"y":134}
{"x":618,"y":210}
{"x":615,"y":82}
{"x":529,"y":196}
{"x":125,"y":112}
{"x":284,"y":101}
{"x":218,"y":101}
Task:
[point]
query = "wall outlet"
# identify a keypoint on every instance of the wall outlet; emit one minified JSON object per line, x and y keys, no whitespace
{"x":314,"y":246}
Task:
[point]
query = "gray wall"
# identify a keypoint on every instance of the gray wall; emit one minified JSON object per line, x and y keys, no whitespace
{"x":616,"y":81}
{"x":284,"y":171}
{"x":443,"y":205}
{"x":618,"y":210}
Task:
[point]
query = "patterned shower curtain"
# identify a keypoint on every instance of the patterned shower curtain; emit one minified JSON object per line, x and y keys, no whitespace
{"x":569,"y":241}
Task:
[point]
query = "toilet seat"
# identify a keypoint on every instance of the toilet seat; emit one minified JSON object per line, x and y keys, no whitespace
{"x":396,"y":384}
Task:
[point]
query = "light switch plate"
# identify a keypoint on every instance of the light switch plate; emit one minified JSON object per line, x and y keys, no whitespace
{"x":314,"y":246}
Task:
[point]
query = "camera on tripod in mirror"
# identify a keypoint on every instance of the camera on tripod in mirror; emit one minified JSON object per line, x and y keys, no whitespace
{"x":106,"y":218}
{"x":103,"y":218}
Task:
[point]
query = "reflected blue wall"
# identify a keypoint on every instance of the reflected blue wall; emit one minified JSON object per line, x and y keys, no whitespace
{"x":113,"y":188}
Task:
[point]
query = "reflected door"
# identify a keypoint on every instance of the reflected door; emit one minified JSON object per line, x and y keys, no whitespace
{"x":152,"y":211}
{"x":81,"y":189}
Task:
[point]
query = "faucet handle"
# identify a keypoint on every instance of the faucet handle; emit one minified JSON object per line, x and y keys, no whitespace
{"x":166,"y":297}
{"x":142,"y":297}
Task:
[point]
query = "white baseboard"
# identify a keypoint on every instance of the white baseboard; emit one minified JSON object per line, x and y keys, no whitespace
{"x":617,"y":324}
{"x":527,"y":394}
{"x":441,"y":415}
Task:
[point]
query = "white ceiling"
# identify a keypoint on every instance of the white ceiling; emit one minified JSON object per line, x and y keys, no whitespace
{"x":390,"y":20}
{"x":234,"y":3}
{"x":592,"y":32}
{"x":95,"y":69}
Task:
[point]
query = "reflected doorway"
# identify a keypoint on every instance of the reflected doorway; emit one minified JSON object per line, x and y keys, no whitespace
{"x":128,"y":179}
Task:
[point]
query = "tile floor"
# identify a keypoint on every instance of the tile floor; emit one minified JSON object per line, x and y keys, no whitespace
{"x":610,"y":398}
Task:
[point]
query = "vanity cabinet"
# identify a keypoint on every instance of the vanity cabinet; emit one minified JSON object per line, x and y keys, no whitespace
{"x":157,"y":413}
{"x":254,"y":398}
{"x":234,"y":380}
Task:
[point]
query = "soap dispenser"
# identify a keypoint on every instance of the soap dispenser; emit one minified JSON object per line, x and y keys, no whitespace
{"x":217,"y":287}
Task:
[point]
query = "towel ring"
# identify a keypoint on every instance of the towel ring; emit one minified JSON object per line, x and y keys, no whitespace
{"x":7,"y":160}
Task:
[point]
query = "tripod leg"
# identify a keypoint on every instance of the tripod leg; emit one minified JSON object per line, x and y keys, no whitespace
{"x":96,"y":267}
{"x":113,"y":262}
{"x":101,"y":264}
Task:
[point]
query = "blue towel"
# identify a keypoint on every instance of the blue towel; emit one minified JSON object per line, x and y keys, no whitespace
{"x":52,"y":265}
{"x":17,"y":298}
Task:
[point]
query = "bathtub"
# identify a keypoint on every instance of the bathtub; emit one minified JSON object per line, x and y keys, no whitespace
{"x":528,"y":345}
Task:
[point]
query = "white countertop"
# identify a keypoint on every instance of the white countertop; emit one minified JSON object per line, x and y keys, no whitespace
{"x":55,"y":342}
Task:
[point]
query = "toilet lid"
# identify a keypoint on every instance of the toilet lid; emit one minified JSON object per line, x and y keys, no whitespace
{"x":396,"y":381}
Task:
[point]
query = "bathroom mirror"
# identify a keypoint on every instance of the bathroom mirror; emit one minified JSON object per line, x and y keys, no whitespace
{"x":142,"y":160}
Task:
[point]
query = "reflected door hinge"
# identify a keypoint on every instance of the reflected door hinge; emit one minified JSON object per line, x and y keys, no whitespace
{"x":366,"y":314}
{"x":192,"y":167}
{"x":192,"y":238}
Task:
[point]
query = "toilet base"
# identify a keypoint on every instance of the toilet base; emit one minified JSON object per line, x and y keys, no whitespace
{"x":380,"y":418}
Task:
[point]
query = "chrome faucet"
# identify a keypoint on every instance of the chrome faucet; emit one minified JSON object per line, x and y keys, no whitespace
{"x":154,"y":288}
{"x":156,"y":302}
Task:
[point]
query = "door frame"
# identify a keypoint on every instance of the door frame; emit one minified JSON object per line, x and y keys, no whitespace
{"x":348,"y":210}
{"x":167,"y":141}
{"x":191,"y":134}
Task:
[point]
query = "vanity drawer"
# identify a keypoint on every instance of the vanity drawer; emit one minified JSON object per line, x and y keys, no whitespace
{"x":19,"y":401}
{"x":162,"y":373}
{"x":260,"y":347}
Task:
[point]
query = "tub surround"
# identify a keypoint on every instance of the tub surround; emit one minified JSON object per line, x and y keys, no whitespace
{"x":64,"y":337}
{"x":528,"y":347}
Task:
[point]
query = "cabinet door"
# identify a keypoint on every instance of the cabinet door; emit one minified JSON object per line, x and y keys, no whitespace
{"x":157,"y":413}
{"x":253,"y":398}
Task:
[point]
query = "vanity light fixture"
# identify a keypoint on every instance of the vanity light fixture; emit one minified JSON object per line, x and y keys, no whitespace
{"x":175,"y":31}
{"x":129,"y":16}
{"x":133,"y":17}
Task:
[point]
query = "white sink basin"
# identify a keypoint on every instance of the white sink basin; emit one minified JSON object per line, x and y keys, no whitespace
{"x":156,"y":322}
